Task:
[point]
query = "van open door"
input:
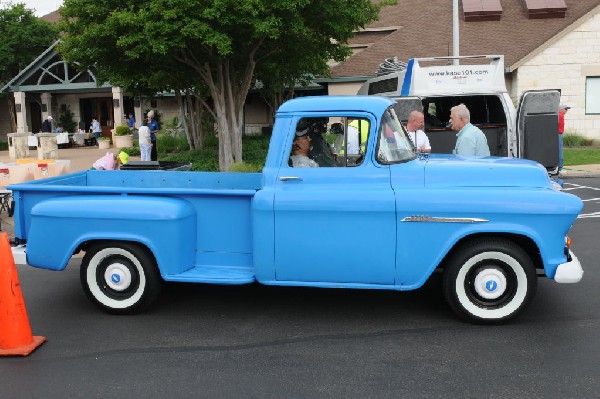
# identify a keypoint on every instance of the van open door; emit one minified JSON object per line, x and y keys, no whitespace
{"x":537,"y":127}
{"x":405,"y":105}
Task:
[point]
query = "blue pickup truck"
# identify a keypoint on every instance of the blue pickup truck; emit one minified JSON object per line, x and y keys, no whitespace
{"x":370,"y":213}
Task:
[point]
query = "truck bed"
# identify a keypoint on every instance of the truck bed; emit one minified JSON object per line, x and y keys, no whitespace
{"x":216,"y":208}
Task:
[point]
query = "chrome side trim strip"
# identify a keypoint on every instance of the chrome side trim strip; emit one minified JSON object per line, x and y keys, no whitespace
{"x":429,"y":219}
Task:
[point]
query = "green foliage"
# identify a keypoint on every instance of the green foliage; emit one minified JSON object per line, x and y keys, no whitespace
{"x":330,"y":137}
{"x":23,"y":38}
{"x":131,"y":150}
{"x":255,"y":150}
{"x":171,"y":123}
{"x":166,"y":143}
{"x":575,"y":140}
{"x":206,"y":159}
{"x":244,"y":167}
{"x":122,"y":130}
{"x":581,"y":156}
{"x":3,"y":145}
{"x":65,"y":119}
{"x":219,"y":46}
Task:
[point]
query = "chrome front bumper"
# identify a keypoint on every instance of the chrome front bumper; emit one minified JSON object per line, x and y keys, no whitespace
{"x":569,"y":272}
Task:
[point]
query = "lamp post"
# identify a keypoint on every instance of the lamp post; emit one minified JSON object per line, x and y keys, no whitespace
{"x":455,"y":37}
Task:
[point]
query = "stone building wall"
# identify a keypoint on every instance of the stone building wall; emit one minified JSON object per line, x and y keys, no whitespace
{"x":565,"y":64}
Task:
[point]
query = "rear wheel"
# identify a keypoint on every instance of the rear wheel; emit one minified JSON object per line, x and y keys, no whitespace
{"x":489,"y":281}
{"x":120,"y":277}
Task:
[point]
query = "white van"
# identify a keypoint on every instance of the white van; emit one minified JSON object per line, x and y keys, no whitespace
{"x":434,"y":85}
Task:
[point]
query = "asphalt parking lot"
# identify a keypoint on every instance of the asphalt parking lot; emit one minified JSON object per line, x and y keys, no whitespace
{"x":272,"y":342}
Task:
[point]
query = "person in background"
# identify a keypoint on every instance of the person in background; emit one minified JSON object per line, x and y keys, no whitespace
{"x":415,"y":123}
{"x":47,"y":125}
{"x":470,"y":140}
{"x":111,"y":161}
{"x":562,"y":110}
{"x":145,"y":142}
{"x":131,"y":121}
{"x":96,"y":130}
{"x":154,"y":128}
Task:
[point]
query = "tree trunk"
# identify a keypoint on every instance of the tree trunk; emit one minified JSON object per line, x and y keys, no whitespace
{"x":196,"y":116}
{"x":192,"y":111}
{"x":228,"y":88}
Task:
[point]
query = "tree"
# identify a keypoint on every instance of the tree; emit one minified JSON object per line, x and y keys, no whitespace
{"x":24,"y":37}
{"x":215,"y":45}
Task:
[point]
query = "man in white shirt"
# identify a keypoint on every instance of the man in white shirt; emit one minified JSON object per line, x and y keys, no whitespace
{"x":414,"y":125}
{"x":145,"y":142}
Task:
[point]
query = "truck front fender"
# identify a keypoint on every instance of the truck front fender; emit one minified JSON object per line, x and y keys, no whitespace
{"x":421,"y":259}
{"x":166,"y":225}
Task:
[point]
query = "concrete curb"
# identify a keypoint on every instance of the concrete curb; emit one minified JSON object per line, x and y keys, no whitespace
{"x":579,"y":176}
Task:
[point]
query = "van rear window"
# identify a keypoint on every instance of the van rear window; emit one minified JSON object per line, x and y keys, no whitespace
{"x":384,"y":86}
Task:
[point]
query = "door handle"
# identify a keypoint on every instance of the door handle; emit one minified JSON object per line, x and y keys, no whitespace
{"x":289,"y":178}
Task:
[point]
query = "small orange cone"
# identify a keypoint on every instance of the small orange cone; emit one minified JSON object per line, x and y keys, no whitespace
{"x":15,"y":331}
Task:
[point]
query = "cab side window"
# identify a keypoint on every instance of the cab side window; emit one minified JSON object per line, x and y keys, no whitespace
{"x":329,"y":142}
{"x":351,"y":138}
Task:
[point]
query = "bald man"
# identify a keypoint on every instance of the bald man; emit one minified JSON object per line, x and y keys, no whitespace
{"x":414,"y":125}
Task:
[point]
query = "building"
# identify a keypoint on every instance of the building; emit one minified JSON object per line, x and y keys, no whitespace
{"x":547,"y":44}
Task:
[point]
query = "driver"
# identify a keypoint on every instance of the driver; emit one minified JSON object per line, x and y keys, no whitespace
{"x":300,"y":149}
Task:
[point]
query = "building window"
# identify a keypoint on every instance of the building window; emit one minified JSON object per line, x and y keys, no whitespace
{"x":592,"y":95}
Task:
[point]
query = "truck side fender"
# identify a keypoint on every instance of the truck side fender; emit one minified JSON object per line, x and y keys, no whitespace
{"x":167,"y":226}
{"x":423,"y":261}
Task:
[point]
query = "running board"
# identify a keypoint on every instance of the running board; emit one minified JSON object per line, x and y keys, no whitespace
{"x":215,"y":275}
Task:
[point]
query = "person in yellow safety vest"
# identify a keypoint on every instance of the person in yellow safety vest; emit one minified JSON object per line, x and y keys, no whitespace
{"x":358,"y":132}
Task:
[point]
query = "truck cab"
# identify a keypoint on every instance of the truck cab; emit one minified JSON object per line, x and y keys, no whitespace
{"x":434,"y":85}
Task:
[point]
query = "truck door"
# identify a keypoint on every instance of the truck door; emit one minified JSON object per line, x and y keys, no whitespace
{"x":334,"y":224}
{"x":537,"y":126}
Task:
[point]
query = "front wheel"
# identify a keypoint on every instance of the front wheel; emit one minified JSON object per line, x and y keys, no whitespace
{"x":120,"y":277}
{"x":489,"y":281}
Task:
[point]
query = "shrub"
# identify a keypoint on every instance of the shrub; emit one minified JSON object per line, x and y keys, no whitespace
{"x":65,"y":119}
{"x":3,"y":145}
{"x":244,"y":167}
{"x":575,"y":140}
{"x":167,"y":143}
{"x":122,"y":131}
{"x":131,"y":150}
{"x":207,"y":159}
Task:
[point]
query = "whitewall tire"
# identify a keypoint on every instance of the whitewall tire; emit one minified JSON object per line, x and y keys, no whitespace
{"x":489,"y":281}
{"x":120,"y":277}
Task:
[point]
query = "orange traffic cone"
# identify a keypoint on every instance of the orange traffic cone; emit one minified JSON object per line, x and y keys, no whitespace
{"x":15,"y":331}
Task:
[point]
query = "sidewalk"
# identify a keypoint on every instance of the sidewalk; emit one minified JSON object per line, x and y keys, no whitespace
{"x":592,"y":170}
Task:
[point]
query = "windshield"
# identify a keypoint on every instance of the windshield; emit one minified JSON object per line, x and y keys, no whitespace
{"x":393,"y":145}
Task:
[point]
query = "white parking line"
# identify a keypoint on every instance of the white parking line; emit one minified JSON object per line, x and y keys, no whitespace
{"x":589,"y":215}
{"x":591,"y":199}
{"x":578,"y":187}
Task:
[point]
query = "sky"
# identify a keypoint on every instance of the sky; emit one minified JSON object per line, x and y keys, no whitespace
{"x":41,"y":7}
